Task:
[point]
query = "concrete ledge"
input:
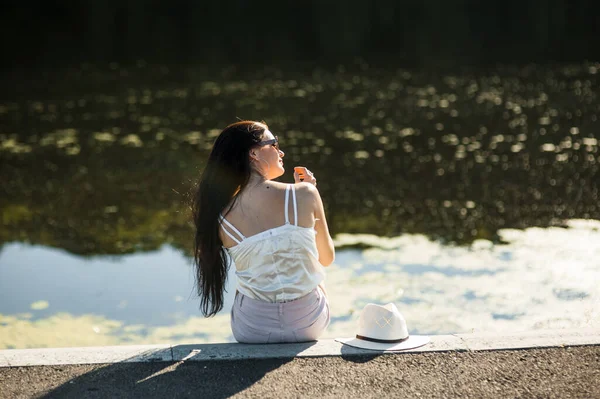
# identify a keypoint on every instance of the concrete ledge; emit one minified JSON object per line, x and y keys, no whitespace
{"x":326,"y":347}
{"x":86,"y":355}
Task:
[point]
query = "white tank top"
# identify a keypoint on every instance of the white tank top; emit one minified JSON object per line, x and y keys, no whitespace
{"x":277,"y":265}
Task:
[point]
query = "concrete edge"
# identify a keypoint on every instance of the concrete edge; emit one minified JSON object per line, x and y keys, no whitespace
{"x":325,"y":347}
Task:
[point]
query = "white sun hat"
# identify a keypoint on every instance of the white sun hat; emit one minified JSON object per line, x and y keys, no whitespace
{"x":383,"y":328}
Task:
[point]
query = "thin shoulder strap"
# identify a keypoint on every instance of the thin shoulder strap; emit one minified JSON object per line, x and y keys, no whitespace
{"x":295,"y":205}
{"x":232,"y":227}
{"x":287,"y":202}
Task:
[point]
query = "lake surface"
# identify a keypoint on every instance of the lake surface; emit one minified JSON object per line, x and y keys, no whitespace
{"x":467,"y":197}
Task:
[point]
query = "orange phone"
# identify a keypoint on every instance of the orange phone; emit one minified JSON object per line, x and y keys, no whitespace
{"x":300,"y":171}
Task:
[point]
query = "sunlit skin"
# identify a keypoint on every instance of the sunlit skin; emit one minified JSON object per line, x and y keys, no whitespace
{"x":271,"y":167}
{"x":251,"y":212}
{"x":268,"y":159}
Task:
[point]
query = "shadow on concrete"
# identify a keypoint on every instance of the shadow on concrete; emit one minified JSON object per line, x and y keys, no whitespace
{"x":195,"y":376}
{"x":356,"y":355}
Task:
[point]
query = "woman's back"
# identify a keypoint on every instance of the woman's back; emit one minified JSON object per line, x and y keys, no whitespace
{"x":279,"y":263}
{"x":262,"y":207}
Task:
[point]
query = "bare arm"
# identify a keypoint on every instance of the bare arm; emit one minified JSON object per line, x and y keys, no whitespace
{"x":324,"y":242}
{"x":323,"y":238}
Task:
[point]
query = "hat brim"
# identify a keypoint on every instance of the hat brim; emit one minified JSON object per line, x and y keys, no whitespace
{"x":413,"y":341}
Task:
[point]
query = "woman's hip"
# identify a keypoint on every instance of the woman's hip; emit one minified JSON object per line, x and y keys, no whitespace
{"x":303,"y":319}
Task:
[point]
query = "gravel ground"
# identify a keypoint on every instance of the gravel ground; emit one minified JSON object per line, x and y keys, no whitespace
{"x":570,"y":372}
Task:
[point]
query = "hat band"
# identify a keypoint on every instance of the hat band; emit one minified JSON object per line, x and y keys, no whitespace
{"x":381,"y":341}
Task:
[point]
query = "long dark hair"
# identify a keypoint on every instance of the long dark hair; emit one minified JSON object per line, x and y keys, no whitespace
{"x":226,"y":173}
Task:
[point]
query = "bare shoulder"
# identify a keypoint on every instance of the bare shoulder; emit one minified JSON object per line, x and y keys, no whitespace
{"x":277,"y":186}
{"x":306,"y":191}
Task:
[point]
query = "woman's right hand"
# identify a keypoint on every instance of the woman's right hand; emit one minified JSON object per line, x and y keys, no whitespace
{"x":302,"y":174}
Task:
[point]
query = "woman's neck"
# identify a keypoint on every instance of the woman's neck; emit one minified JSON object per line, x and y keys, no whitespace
{"x":255,"y":183}
{"x":256,"y":179}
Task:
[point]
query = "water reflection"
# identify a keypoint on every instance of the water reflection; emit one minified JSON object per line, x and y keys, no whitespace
{"x":97,"y":165}
{"x":544,"y":283}
{"x":103,"y":165}
{"x":154,"y":288}
{"x":49,"y":297}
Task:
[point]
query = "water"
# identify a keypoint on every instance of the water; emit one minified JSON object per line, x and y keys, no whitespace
{"x":477,"y":189}
{"x":541,"y":278}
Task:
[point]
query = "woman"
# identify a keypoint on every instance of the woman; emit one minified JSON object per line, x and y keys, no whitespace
{"x":276,"y":234}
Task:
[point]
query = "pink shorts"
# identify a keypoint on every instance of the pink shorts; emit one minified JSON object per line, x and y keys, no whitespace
{"x":258,"y":322}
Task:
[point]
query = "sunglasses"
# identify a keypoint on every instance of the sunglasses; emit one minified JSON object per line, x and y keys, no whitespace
{"x":274,"y":142}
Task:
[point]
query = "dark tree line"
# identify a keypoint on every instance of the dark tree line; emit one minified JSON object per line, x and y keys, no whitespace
{"x":36,"y":32}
